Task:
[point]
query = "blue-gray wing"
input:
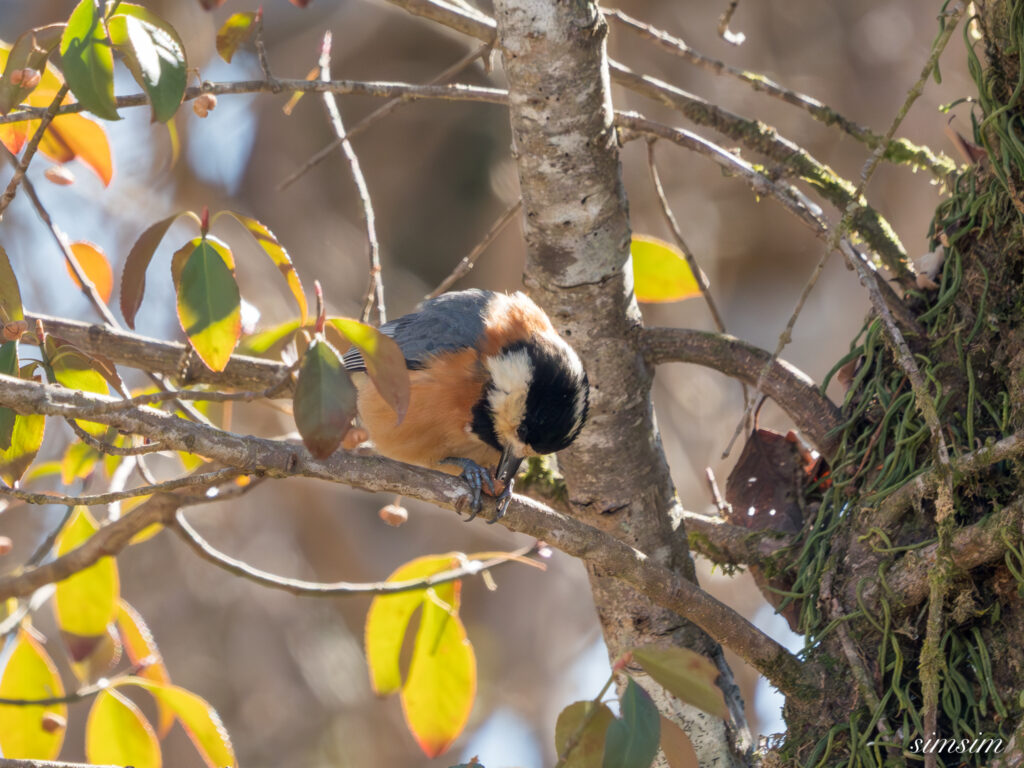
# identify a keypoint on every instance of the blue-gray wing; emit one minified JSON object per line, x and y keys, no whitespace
{"x":449,"y":322}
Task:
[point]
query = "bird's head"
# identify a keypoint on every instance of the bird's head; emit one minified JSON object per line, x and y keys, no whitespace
{"x":535,"y":401}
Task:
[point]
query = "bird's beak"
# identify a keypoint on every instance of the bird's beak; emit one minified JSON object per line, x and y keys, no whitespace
{"x":508,"y":466}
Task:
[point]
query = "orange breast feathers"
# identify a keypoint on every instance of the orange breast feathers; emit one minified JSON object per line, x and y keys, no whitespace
{"x":437,"y":424}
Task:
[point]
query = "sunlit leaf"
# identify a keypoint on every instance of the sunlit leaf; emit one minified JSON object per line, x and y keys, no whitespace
{"x":74,"y":369}
{"x":154,"y":55}
{"x":133,"y":279}
{"x":88,"y":601}
{"x":141,"y":648}
{"x":180,"y":257}
{"x":686,"y":675}
{"x":8,"y":367}
{"x":438,"y":695}
{"x":96,"y":267}
{"x":200,"y":720}
{"x":632,"y":741}
{"x":117,"y":733}
{"x":384,"y":361}
{"x":29,"y":52}
{"x":209,"y":306}
{"x":78,"y":462}
{"x":589,"y":743}
{"x":87,"y":60}
{"x":84,"y":139}
{"x":389,"y":616}
{"x":325,"y":399}
{"x":10,"y":295}
{"x":313,"y":74}
{"x":277,"y":253}
{"x":676,"y":745}
{"x":660,"y":272}
{"x":235,"y":31}
{"x":28,"y":673}
{"x":97,"y":656}
{"x":26,"y":438}
{"x":263,"y":342}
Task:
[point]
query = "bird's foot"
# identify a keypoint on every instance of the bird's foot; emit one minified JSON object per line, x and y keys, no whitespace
{"x":504,"y":498}
{"x":476,"y":477}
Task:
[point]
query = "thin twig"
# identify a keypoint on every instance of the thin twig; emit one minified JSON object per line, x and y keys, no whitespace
{"x":205,"y":550}
{"x":30,"y":149}
{"x":109,"y":448}
{"x":736,"y":38}
{"x":189,"y":481}
{"x":261,"y":54}
{"x":375,"y":288}
{"x":82,"y":693}
{"x":379,"y":113}
{"x":464,"y":267}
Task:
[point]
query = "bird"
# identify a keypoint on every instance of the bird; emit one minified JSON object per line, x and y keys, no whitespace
{"x":491,"y":383}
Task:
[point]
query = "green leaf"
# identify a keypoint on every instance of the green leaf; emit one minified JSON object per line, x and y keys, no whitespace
{"x":117,"y":733}
{"x":384,"y":360}
{"x":660,"y":272}
{"x":686,"y":675}
{"x":201,"y":721}
{"x":87,"y":60}
{"x":389,"y":616}
{"x":8,"y":367}
{"x":10,"y":295}
{"x":277,"y":253}
{"x":209,"y":306}
{"x":28,"y":673}
{"x":589,"y":749}
{"x":88,"y":601}
{"x":74,"y":369}
{"x":30,"y":51}
{"x":263,"y":342}
{"x":141,"y":648}
{"x":235,"y":31}
{"x":154,"y":55}
{"x":325,"y":399}
{"x":133,"y":279}
{"x":78,"y":462}
{"x":632,"y":741}
{"x":180,"y":257}
{"x":26,"y":438}
{"x":438,"y":695}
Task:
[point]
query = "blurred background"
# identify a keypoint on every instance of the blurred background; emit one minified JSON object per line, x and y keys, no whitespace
{"x":287,"y":674}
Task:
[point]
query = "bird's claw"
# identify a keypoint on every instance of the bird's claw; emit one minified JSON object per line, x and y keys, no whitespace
{"x":475,"y":476}
{"x":503,"y":501}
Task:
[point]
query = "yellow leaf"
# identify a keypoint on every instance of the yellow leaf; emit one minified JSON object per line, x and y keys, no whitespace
{"x":117,"y":733}
{"x":141,"y":647}
{"x":660,"y":272}
{"x":86,"y":602}
{"x":28,"y":673}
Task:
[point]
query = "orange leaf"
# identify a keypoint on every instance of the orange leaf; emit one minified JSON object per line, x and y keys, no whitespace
{"x":140,"y":646}
{"x":95,"y":266}
{"x":87,"y":141}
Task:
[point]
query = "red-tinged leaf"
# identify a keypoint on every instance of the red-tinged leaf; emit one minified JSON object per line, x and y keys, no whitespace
{"x":209,"y":306}
{"x":26,"y":438}
{"x":141,"y":648}
{"x":10,"y":294}
{"x":103,"y":655}
{"x":676,"y":745}
{"x":632,"y":741}
{"x":235,"y":31}
{"x":96,"y":267}
{"x":438,"y":695}
{"x":200,"y":720}
{"x":154,"y":54}
{"x":8,"y":367}
{"x":384,"y":361}
{"x":660,"y":271}
{"x":84,"y":139}
{"x":270,"y":340}
{"x":74,"y":369}
{"x":388,"y":618}
{"x":78,"y":462}
{"x":301,"y":3}
{"x":28,"y":673}
{"x":277,"y":253}
{"x":133,"y":279}
{"x":325,"y":399}
{"x":686,"y":675}
{"x":88,"y":601}
{"x":209,"y":5}
{"x":586,"y":734}
{"x":14,"y":135}
{"x":28,"y":54}
{"x":87,"y":60}
{"x":117,"y":733}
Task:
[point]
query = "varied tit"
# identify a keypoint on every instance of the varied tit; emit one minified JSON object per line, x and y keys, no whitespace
{"x":491,"y":383}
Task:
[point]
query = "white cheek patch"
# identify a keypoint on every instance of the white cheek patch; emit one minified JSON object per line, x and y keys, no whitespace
{"x":511,"y":375}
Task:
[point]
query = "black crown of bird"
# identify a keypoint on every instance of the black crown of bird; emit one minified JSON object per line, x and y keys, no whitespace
{"x":491,"y":383}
